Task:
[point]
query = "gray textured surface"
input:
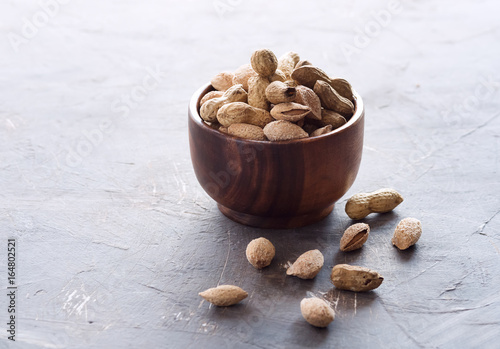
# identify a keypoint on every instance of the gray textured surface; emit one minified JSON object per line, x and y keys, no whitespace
{"x":115,"y":244}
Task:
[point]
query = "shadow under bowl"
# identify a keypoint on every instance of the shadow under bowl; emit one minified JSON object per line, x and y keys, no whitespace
{"x":285,"y":184}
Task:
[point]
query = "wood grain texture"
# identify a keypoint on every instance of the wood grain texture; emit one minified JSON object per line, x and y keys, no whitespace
{"x":283,"y":184}
{"x":115,"y":245}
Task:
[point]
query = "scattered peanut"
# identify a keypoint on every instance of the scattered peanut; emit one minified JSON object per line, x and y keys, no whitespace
{"x":224,"y":295}
{"x":290,"y":111}
{"x":354,"y":237}
{"x":282,"y":130}
{"x":356,"y":279}
{"x":308,"y":265}
{"x":407,"y":233}
{"x":317,"y":311}
{"x":279,"y":92}
{"x":222,"y":81}
{"x":380,"y":201}
{"x":260,"y":252}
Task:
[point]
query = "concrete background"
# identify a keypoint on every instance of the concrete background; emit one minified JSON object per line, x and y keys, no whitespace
{"x":115,"y":238}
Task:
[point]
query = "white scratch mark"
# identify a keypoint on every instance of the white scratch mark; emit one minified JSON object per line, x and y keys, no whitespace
{"x":110,"y":245}
{"x":201,"y":303}
{"x":10,"y":124}
{"x":355,"y":303}
{"x":227,"y":256}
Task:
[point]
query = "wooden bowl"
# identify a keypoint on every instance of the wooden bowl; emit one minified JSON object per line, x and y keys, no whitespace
{"x":284,"y":184}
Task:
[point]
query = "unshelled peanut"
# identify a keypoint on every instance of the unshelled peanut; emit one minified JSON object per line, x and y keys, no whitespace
{"x":380,"y":201}
{"x":222,"y":81}
{"x":247,"y":131}
{"x":317,"y":311}
{"x":354,"y":278}
{"x":224,"y":295}
{"x":209,"y":109}
{"x":290,"y":111}
{"x":282,"y":130}
{"x":354,"y":237}
{"x":257,"y":86}
{"x":279,"y":92}
{"x":284,"y":87}
{"x":264,"y":62}
{"x":307,"y":266}
{"x":239,"y":112}
{"x":407,"y":233}
{"x":260,"y":252}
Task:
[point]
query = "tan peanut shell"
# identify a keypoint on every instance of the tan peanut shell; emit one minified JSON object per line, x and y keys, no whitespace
{"x":209,"y":109}
{"x":287,"y":63}
{"x":306,"y":96}
{"x":309,"y":128}
{"x":279,"y":92}
{"x":282,"y":130}
{"x":308,"y":265}
{"x":407,"y":233}
{"x":224,"y":295}
{"x":247,"y":131}
{"x":356,"y":279}
{"x":222,"y":81}
{"x":307,"y":75}
{"x":278,"y":76}
{"x":257,"y":86}
{"x":332,"y":118}
{"x":317,"y":311}
{"x":321,"y":131}
{"x":260,"y":252}
{"x":343,"y":88}
{"x":331,"y":100}
{"x":210,"y":95}
{"x":243,"y":74}
{"x":380,"y":201}
{"x":354,"y":237}
{"x":303,"y":63}
{"x":242,"y":113}
{"x":264,"y":62}
{"x":290,"y":111}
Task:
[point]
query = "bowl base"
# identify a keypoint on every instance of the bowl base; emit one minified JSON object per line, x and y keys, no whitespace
{"x":285,"y":222}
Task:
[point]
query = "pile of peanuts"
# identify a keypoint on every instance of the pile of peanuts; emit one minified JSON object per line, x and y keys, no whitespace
{"x":274,"y":99}
{"x":317,"y":311}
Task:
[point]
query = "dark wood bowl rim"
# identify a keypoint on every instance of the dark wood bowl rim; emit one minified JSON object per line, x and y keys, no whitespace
{"x":195,"y":116}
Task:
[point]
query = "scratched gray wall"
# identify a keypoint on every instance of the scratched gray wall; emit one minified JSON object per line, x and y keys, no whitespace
{"x":115,"y":237}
